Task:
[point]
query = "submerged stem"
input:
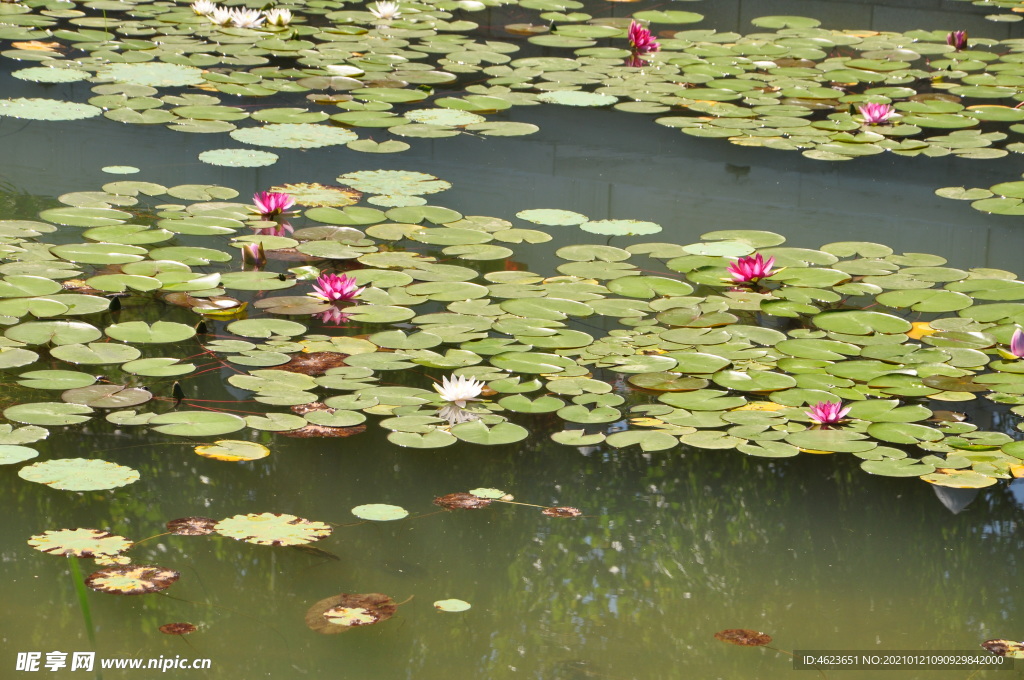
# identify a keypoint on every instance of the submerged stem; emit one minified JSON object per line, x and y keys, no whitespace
{"x":83,"y":602}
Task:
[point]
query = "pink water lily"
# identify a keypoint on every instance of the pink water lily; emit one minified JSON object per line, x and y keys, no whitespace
{"x":334,"y":288}
{"x":270,"y":204}
{"x":827,"y":412}
{"x":957,"y":39}
{"x":751,"y":269}
{"x":874,"y":114}
{"x":253,"y":254}
{"x":641,"y":40}
{"x":1017,"y":344}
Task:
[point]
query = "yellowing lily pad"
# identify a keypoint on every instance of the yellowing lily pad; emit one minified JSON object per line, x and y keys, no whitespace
{"x":132,"y":579}
{"x":80,"y":543}
{"x":233,"y":450}
{"x":272,"y":529}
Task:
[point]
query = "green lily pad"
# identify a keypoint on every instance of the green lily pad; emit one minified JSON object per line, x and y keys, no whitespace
{"x":142,"y":332}
{"x":79,"y":474}
{"x":380,"y":512}
{"x":196,"y":423}
{"x":452,"y":605}
{"x":476,"y":432}
{"x":10,"y":454}
{"x":48,"y":413}
{"x":46,"y":109}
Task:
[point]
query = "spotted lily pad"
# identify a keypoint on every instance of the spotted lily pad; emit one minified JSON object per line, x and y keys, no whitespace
{"x":132,"y":579}
{"x":80,"y":543}
{"x":272,"y":529}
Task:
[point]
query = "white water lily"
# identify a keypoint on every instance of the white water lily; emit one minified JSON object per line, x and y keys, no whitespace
{"x":203,"y":7}
{"x":459,"y":389}
{"x":220,"y":16}
{"x":278,"y":17}
{"x":246,"y":18}
{"x":385,"y":10}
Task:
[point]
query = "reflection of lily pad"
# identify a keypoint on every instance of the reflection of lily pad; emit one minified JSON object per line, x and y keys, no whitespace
{"x":272,"y":529}
{"x":79,"y":474}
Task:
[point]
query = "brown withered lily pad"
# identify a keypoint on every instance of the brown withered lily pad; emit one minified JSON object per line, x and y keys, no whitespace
{"x":315,"y":195}
{"x":80,"y":543}
{"x":132,"y":579}
{"x":303,"y":409}
{"x":79,"y":286}
{"x":743,"y":637}
{"x":191,"y":526}
{"x":314,"y":363}
{"x":312,"y":430}
{"x":462,"y":501}
{"x":178,"y":628}
{"x":1010,"y":648}
{"x":562,"y":511}
{"x":338,"y":613}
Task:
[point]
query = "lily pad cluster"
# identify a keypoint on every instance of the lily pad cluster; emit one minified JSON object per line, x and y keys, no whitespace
{"x":651,"y":345}
{"x":793,"y":85}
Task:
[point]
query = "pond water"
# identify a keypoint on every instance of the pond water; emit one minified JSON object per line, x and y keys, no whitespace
{"x":672,"y":545}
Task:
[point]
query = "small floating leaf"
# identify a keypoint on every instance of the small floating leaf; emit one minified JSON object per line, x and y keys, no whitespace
{"x":452,"y":605}
{"x":380,"y":512}
{"x":743,"y":637}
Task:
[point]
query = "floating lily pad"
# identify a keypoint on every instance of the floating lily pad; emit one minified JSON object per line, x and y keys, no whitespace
{"x":380,"y":512}
{"x":452,"y":605}
{"x":340,"y":613}
{"x":79,"y":474}
{"x":233,"y":450}
{"x":132,"y":579}
{"x":272,"y":529}
{"x":80,"y":543}
{"x":46,"y":109}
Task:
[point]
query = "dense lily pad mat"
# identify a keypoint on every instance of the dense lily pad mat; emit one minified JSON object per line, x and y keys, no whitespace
{"x":424,"y":72}
{"x":344,"y":316}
